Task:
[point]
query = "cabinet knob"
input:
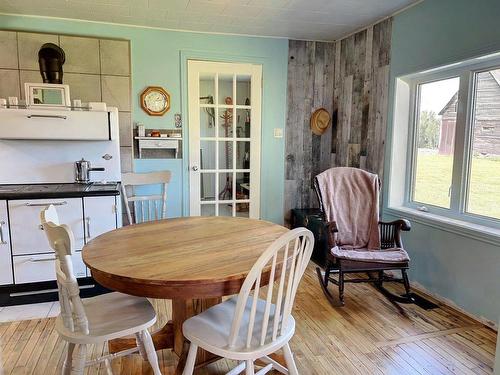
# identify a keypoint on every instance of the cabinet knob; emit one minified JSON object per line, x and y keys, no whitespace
{"x":194,"y":168}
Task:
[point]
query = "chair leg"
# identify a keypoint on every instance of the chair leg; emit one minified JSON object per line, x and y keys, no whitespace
{"x":149,"y":347}
{"x":290,"y":362}
{"x":406,"y":282}
{"x":191,"y":360}
{"x":341,"y":286}
{"x":109,"y":370}
{"x":249,"y":368}
{"x":66,"y":369}
{"x":78,"y":360}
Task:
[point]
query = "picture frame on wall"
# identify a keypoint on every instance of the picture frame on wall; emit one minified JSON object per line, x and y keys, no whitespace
{"x":47,"y":95}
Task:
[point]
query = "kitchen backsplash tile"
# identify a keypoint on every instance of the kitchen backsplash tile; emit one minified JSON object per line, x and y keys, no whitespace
{"x":125,"y":120}
{"x":9,"y":83}
{"x":82,"y":54}
{"x":115,"y":58}
{"x":116,"y":91}
{"x":126,"y":159}
{"x":8,"y":48}
{"x":29,"y":44}
{"x":86,"y":87}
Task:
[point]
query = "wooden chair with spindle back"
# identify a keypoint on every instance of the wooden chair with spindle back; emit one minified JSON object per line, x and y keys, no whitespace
{"x":246,"y":328}
{"x":145,"y":207}
{"x":98,"y":319}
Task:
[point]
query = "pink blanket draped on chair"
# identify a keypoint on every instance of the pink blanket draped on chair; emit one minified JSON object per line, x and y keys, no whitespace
{"x":350,"y":198}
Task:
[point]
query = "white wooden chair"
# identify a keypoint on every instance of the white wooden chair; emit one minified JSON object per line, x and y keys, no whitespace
{"x":246,"y":328}
{"x":145,"y":207}
{"x":98,"y":319}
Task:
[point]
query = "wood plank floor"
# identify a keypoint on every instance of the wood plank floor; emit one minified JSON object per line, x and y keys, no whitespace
{"x":368,"y":336}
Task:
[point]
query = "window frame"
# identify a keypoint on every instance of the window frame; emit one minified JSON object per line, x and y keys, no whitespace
{"x":464,"y":131}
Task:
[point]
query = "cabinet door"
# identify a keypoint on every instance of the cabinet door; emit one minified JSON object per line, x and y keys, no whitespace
{"x":100,"y":216}
{"x":26,"y":231}
{"x":5,"y":254}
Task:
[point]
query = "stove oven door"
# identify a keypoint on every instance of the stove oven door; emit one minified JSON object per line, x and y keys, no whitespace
{"x":26,"y":231}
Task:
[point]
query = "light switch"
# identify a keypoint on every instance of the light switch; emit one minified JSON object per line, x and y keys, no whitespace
{"x":278,"y":133}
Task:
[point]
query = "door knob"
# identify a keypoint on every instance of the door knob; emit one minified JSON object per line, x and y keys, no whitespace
{"x":194,"y":168}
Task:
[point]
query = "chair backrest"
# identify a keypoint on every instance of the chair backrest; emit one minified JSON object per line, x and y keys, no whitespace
{"x":61,"y":240}
{"x":350,"y":198}
{"x":287,"y":259}
{"x":147,"y":207}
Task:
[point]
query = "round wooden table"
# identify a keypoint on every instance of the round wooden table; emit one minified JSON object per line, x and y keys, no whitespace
{"x":193,"y":261}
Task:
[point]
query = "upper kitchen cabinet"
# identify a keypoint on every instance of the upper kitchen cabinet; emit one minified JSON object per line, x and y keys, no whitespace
{"x":57,"y":125}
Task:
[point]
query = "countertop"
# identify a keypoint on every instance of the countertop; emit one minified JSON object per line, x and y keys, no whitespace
{"x":68,"y":190}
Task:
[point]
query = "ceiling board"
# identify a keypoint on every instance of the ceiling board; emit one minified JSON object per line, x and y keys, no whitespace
{"x":297,"y":19}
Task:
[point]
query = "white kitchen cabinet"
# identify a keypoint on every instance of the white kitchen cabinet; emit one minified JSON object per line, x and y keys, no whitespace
{"x":26,"y":231}
{"x":5,"y":254}
{"x":100,"y":215}
{"x":41,"y":267}
{"x":56,"y":124}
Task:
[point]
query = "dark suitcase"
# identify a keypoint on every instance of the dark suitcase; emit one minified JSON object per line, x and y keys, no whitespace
{"x":312,"y":219}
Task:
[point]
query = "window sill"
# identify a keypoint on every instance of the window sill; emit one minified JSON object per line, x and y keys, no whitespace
{"x":462,"y":228}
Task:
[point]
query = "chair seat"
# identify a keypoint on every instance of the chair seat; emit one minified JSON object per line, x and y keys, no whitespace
{"x":211,"y":329}
{"x":111,"y":316}
{"x":393,"y":255}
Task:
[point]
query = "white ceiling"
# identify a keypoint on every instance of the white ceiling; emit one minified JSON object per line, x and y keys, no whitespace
{"x":295,"y":19}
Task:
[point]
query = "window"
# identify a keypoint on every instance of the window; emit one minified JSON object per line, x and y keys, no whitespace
{"x":454,"y":166}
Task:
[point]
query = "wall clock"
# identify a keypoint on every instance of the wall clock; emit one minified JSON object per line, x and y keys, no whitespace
{"x":155,"y":101}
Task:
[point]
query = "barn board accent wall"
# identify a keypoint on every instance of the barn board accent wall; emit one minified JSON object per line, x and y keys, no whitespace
{"x":350,"y":79}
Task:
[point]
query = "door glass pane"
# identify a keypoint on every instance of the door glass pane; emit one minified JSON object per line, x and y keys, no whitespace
{"x":435,"y":139}
{"x":225,"y":122}
{"x":242,"y":209}
{"x":207,"y":186}
{"x":226,"y":209}
{"x":207,"y":154}
{"x":207,"y":122}
{"x":225,"y":154}
{"x":242,"y":185}
{"x":243,"y":90}
{"x":484,"y":180}
{"x":226,"y":89}
{"x":243,"y":123}
{"x":243,"y":155}
{"x":225,"y":186}
{"x":208,"y":210}
{"x":207,"y":88}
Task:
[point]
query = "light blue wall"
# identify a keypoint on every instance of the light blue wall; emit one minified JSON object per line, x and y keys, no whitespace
{"x":434,"y":33}
{"x":159,"y":58}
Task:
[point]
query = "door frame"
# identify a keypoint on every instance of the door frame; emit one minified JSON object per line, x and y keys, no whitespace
{"x":194,"y":67}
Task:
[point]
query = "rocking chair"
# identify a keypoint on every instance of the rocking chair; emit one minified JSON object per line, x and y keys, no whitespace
{"x":358,"y":241}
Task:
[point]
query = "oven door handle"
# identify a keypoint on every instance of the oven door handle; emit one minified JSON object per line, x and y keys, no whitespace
{"x":46,"y":204}
{"x":62,"y":117}
{"x":2,"y":238}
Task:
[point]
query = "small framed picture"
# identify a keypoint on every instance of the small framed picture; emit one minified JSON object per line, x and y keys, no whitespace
{"x":47,"y":95}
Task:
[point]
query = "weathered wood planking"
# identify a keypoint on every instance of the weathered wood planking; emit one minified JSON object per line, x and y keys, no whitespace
{"x":350,"y":78}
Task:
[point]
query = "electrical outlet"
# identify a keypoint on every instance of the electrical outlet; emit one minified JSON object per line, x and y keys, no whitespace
{"x":278,"y":133}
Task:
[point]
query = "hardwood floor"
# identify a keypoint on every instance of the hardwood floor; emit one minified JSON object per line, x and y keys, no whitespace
{"x":367,"y":336}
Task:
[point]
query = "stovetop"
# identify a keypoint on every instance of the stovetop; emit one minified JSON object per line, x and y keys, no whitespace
{"x":33,"y":191}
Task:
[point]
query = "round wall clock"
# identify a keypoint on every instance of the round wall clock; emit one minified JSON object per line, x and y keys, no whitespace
{"x":155,"y":101}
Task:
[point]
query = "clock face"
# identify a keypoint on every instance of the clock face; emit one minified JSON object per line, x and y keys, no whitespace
{"x":155,"y":101}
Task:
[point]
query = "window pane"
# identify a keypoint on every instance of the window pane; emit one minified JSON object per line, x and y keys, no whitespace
{"x":484,"y":180}
{"x":437,"y":117}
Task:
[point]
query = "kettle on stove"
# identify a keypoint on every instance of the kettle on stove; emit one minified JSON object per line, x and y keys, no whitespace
{"x":82,"y":171}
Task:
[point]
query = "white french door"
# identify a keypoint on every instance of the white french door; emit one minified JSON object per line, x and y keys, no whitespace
{"x":224,"y":138}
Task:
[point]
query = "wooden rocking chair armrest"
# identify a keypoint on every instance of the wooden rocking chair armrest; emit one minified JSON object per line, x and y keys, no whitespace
{"x":390,"y":237}
{"x":402,"y":224}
